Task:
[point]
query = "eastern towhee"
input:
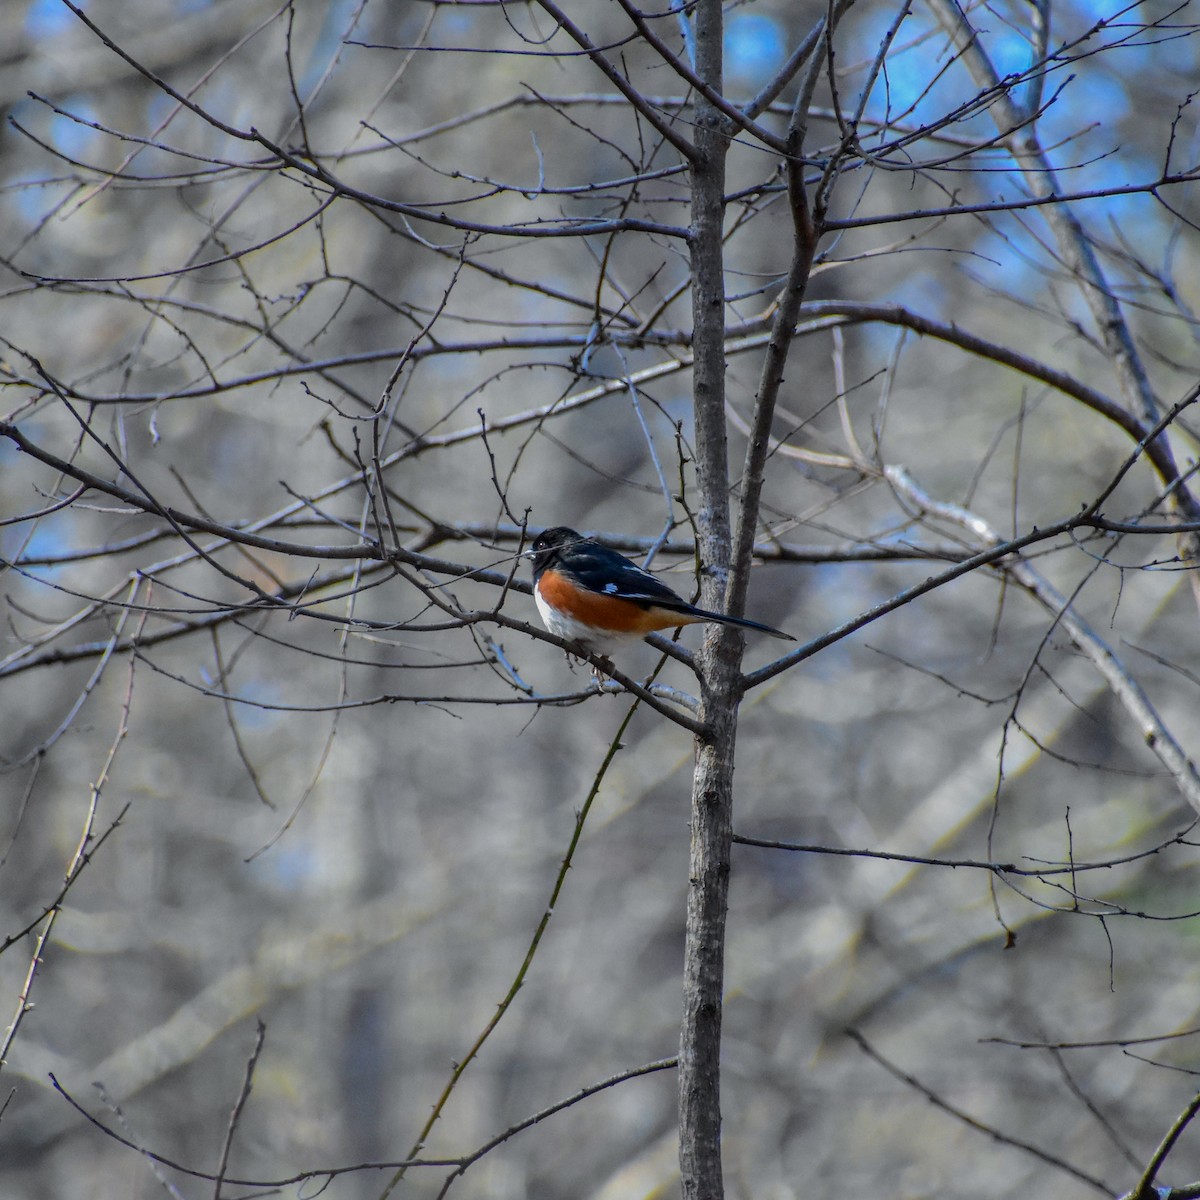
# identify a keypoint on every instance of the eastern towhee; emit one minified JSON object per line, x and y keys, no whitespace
{"x":592,"y":595}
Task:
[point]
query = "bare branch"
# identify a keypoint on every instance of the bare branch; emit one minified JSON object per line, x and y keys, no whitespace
{"x":959,"y":1114}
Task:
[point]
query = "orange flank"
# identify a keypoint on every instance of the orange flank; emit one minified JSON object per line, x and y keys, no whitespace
{"x":610,"y":613}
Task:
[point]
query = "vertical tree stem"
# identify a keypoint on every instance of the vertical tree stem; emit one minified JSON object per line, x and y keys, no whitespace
{"x":718,"y":662}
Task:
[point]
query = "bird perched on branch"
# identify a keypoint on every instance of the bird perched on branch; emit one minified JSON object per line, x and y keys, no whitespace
{"x":592,"y":595}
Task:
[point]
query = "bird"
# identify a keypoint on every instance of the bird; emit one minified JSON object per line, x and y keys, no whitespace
{"x":589,"y":594}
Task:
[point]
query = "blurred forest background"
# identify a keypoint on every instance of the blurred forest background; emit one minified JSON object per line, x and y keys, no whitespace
{"x":304,"y":311}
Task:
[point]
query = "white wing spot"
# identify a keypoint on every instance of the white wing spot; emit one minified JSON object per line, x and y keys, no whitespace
{"x":610,"y":588}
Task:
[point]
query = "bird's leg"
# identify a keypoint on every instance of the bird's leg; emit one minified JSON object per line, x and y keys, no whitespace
{"x":601,"y":664}
{"x":604,"y":667}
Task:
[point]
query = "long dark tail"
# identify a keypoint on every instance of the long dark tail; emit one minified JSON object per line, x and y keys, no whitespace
{"x":744,"y":622}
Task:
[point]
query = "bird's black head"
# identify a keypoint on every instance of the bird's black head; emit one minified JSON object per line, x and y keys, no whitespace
{"x":549,"y":544}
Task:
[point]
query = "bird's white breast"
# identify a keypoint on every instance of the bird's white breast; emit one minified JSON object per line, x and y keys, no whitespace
{"x":568,"y":628}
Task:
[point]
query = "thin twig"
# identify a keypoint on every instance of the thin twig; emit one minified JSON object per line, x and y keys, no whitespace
{"x":236,"y":1115}
{"x":531,"y":950}
{"x":1144,"y":1188}
{"x":77,"y":863}
{"x":469,"y":1160}
{"x":1052,"y":1160}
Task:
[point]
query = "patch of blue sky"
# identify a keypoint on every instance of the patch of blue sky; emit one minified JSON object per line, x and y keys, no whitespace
{"x":252,"y":694}
{"x":50,"y":538}
{"x":1085,"y":127}
{"x":922,"y":289}
{"x":919,"y":54}
{"x":34,"y":199}
{"x":69,"y":134}
{"x":328,"y":43}
{"x":1089,"y":148}
{"x":289,"y":866}
{"x":250,"y":715}
{"x":1096,"y":10}
{"x":1082,"y":112}
{"x":159,"y":107}
{"x":755,"y":48}
{"x":910,"y":84}
{"x":48,"y":18}
{"x":36,"y":195}
{"x":1014,"y":259}
{"x":456,"y":20}
{"x":1009,"y":49}
{"x":72,"y":135}
{"x":1153,"y":37}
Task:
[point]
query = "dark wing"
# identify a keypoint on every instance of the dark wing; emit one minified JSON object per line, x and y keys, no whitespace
{"x":596,"y":568}
{"x":599,"y":569}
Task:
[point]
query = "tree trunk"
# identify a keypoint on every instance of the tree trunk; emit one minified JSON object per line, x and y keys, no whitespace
{"x":719,"y":660}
